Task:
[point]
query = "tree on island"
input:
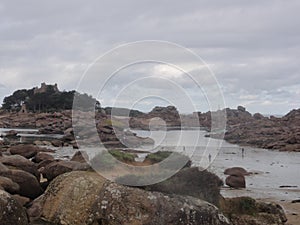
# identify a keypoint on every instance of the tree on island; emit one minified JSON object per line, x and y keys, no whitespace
{"x":47,"y":99}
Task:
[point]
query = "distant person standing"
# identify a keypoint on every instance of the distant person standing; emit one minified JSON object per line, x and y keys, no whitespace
{"x":209,"y":157}
{"x":243,"y":152}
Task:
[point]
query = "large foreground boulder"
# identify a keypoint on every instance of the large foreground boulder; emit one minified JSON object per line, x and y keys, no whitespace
{"x":87,"y":198}
{"x":193,"y":182}
{"x":11,"y":212}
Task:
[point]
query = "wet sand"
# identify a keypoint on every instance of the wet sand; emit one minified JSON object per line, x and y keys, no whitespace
{"x":271,"y":169}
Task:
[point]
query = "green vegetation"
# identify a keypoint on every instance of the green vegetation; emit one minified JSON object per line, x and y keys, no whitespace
{"x":107,"y":159}
{"x":122,"y":112}
{"x":172,"y":159}
{"x":122,"y":156}
{"x":114,"y":123}
{"x":158,"y":156}
{"x":48,"y":100}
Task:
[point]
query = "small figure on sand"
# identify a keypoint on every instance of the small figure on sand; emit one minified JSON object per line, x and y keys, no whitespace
{"x":209,"y":157}
{"x":243,"y":152}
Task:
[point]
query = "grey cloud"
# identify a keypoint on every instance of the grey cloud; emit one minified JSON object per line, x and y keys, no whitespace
{"x":252,"y":46}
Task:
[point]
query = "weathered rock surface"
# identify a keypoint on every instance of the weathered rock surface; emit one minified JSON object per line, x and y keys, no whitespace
{"x":57,"y":143}
{"x":29,"y":185}
{"x":169,"y":115}
{"x":27,"y":151}
{"x":236,"y":171}
{"x":21,"y":199}
{"x":270,"y":133}
{"x":255,"y":130}
{"x":193,"y":182}
{"x":236,"y":181}
{"x":245,"y":211}
{"x":11,"y":211}
{"x":61,"y":123}
{"x":99,"y":201}
{"x":21,"y":163}
{"x":57,"y":168}
{"x":8,"y":185}
{"x":41,"y":156}
{"x":3,"y":168}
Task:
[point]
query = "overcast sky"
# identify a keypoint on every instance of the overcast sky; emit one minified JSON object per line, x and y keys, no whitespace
{"x":253,"y":47}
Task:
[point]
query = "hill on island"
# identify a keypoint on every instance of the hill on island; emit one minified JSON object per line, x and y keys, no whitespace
{"x":47,"y":98}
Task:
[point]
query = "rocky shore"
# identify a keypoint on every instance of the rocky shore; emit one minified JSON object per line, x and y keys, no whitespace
{"x":264,"y":132}
{"x":35,"y":188}
{"x":111,"y":135}
{"x":242,"y":127}
{"x":158,"y":118}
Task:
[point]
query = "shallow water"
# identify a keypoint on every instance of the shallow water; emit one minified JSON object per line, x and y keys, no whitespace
{"x":274,"y":168}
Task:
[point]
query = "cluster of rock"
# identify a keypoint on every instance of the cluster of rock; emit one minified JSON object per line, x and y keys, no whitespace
{"x":236,"y":177}
{"x":264,"y":132}
{"x":70,"y":192}
{"x":158,"y":118}
{"x":258,"y":130}
{"x":242,"y":127}
{"x":48,"y":123}
{"x":61,"y":123}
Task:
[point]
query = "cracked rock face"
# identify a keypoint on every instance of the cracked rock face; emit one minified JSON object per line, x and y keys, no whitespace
{"x":11,"y":211}
{"x":87,"y":198}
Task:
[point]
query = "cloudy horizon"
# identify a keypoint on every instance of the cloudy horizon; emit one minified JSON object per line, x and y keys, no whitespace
{"x":252,"y":47}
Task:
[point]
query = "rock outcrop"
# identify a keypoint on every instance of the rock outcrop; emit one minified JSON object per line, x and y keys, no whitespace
{"x":259,"y":131}
{"x":86,"y":198}
{"x":270,"y":133}
{"x":158,"y":118}
{"x":60,"y":123}
{"x":192,"y":182}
